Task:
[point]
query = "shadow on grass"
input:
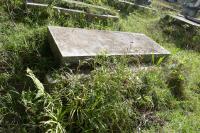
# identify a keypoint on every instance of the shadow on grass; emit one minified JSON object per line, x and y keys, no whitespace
{"x":183,"y":35}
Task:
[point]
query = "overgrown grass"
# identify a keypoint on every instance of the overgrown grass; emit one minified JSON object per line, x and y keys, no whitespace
{"x":112,"y":97}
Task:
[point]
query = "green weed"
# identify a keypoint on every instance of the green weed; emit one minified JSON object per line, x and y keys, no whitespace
{"x":110,"y":97}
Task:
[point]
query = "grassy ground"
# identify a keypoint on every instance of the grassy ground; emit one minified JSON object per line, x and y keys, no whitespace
{"x":112,"y":98}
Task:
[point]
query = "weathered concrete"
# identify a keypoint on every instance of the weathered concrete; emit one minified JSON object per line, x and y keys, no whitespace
{"x":71,"y":44}
{"x":184,"y":20}
{"x":72,"y":11}
{"x":143,"y":7}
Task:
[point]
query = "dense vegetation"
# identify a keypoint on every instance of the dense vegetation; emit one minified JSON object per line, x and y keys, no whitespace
{"x":111,"y":96}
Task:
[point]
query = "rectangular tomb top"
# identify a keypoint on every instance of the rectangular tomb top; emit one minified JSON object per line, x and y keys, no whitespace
{"x":74,"y":43}
{"x":183,"y":19}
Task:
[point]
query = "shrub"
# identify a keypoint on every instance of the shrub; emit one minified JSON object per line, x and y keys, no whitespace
{"x":184,"y":35}
{"x":176,"y":79}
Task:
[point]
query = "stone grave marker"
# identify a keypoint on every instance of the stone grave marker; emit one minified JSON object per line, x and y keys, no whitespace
{"x":109,"y":15}
{"x":137,"y":5}
{"x":182,"y":19}
{"x":72,"y":44}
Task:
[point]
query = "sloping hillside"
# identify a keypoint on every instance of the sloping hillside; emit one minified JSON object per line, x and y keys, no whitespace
{"x":105,"y":95}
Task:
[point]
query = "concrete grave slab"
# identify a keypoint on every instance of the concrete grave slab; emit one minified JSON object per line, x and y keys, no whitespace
{"x":136,"y":6}
{"x":72,"y":44}
{"x":31,"y":3}
{"x":184,"y":20}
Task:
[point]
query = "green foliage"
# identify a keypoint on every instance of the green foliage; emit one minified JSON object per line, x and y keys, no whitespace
{"x":176,"y":80}
{"x":37,"y":83}
{"x":111,"y":97}
{"x":89,"y":103}
{"x":184,"y":35}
